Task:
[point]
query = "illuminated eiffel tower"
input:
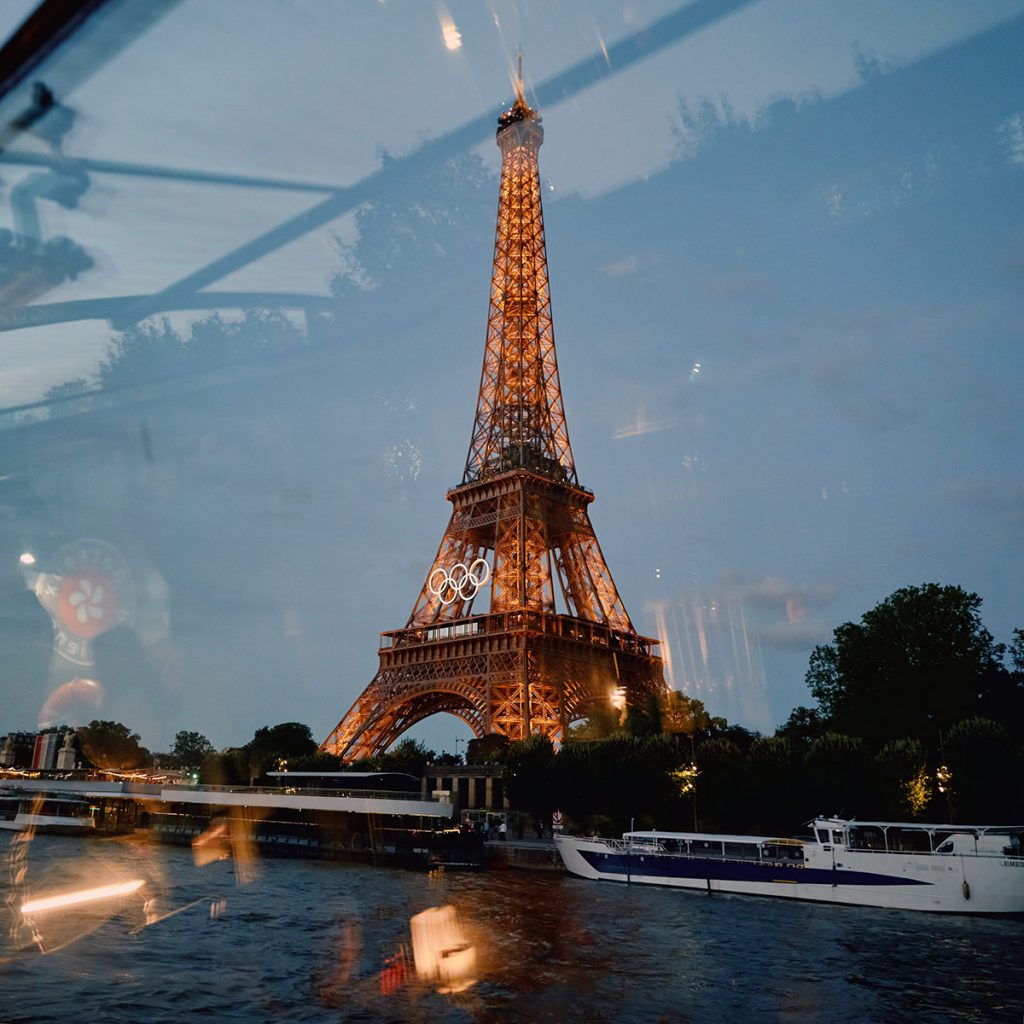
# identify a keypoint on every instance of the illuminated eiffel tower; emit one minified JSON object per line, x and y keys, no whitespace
{"x":555,"y":640}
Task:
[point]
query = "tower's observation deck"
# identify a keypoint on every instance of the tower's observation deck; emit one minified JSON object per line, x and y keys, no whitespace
{"x":554,"y":638}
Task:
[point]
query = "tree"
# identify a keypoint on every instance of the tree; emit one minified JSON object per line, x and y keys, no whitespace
{"x":602,"y":721}
{"x":915,"y":664}
{"x":644,"y":721}
{"x":289,"y":739}
{"x":1017,"y":650}
{"x":902,"y":782}
{"x":719,"y":791}
{"x":408,"y":755}
{"x":112,"y":745}
{"x":228,"y":768}
{"x":190,"y":748}
{"x":682,"y":714}
{"x":153,"y":349}
{"x":528,"y":775}
{"x":803,"y":726}
{"x":272,"y":746}
{"x":983,"y":768}
{"x":836,"y":772}
{"x":775,"y":796}
{"x":489,"y":749}
{"x":316,"y":762}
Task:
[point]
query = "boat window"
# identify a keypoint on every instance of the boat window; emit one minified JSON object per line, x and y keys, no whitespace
{"x":909,"y":840}
{"x":645,"y":840}
{"x":782,"y":851}
{"x":867,"y":837}
{"x":822,"y":835}
{"x":837,"y":835}
{"x":706,"y":849}
{"x":742,"y":851}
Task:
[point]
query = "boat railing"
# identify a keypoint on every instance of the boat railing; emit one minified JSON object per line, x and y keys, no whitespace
{"x":1004,"y":853}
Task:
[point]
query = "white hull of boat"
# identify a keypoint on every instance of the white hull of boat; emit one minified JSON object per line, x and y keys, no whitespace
{"x":958,"y":883}
{"x":57,"y":823}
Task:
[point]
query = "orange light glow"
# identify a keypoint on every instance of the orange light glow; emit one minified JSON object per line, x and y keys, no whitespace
{"x":71,"y":899}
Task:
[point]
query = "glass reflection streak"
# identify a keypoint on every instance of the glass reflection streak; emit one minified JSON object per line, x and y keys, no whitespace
{"x":79,"y":896}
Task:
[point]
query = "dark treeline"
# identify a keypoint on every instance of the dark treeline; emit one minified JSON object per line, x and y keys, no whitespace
{"x":919,"y":715}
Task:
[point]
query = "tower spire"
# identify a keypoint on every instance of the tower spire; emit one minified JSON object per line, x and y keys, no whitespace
{"x":520,"y":420}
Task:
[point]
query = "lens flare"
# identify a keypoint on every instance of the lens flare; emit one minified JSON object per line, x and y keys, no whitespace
{"x":441,"y":951}
{"x":449,"y":30}
{"x":71,"y":899}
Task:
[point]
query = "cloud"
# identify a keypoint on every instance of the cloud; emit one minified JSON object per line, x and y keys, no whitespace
{"x":627,"y":265}
{"x":631,"y":263}
{"x":795,"y":636}
{"x":642,"y":425}
{"x":993,"y":494}
{"x":737,"y":286}
{"x":998,"y":498}
{"x":1011,"y":136}
{"x":775,"y":592}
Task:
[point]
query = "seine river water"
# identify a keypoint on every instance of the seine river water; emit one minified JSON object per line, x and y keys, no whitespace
{"x":288,"y":940}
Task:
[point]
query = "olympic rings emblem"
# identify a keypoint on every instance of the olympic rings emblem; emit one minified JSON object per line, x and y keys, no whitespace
{"x":447,"y":585}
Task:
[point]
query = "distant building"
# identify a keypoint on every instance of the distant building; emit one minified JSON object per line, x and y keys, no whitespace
{"x":469,"y":787}
{"x":11,"y":744}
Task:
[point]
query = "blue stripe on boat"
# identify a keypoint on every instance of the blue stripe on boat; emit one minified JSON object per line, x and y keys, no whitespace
{"x":734,"y":870}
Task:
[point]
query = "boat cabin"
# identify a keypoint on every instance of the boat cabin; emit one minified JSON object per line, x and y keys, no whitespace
{"x":717,"y":847}
{"x":907,"y":837}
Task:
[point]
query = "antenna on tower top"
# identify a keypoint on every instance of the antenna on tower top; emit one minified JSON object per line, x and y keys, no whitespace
{"x":520,"y":95}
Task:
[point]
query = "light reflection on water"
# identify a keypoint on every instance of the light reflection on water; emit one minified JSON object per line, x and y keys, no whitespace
{"x":309,"y":941}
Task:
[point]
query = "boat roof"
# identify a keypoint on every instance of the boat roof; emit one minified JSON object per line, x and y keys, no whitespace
{"x":709,"y":837}
{"x":341,"y":775}
{"x":920,"y":825}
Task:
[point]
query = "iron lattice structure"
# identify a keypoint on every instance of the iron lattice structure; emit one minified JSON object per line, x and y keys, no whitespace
{"x":556,"y":639}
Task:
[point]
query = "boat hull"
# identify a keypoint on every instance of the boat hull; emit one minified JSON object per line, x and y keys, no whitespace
{"x":906,"y":881}
{"x":51,"y":824}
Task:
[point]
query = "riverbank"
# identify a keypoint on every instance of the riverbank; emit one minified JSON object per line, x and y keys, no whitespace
{"x":522,"y":855}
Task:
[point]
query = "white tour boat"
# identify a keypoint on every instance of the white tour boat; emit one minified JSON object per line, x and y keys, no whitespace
{"x":30,"y":812}
{"x":964,"y":869}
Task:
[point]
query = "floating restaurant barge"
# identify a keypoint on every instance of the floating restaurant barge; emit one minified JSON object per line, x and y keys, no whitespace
{"x":356,"y":818}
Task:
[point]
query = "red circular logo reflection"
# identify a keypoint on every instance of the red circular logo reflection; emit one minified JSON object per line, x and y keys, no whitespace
{"x":88,"y":601}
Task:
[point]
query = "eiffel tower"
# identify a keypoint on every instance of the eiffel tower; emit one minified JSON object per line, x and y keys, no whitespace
{"x":555,"y":640}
